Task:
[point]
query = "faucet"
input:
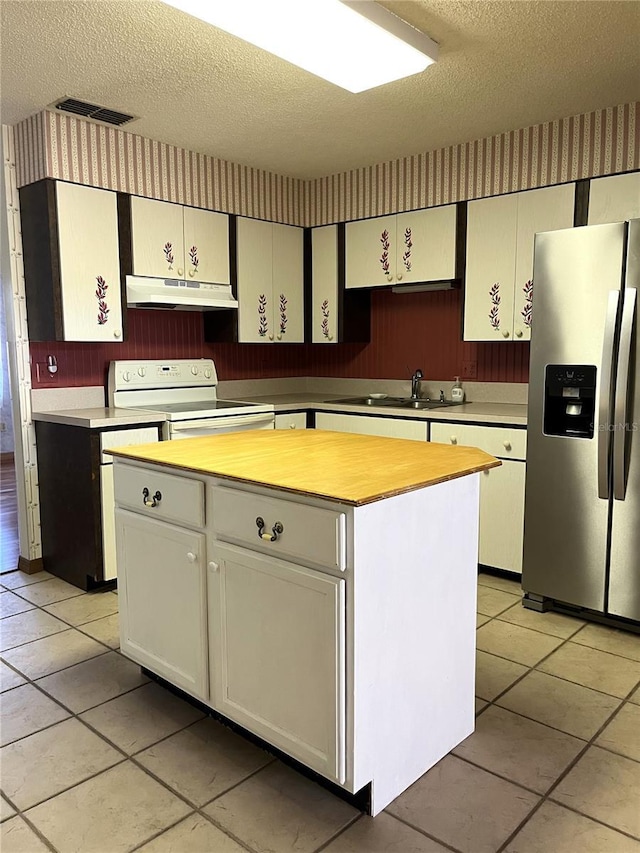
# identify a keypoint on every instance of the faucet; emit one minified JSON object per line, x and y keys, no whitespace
{"x":415,"y":384}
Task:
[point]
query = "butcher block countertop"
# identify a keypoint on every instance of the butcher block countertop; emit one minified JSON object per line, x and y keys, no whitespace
{"x":352,"y":469}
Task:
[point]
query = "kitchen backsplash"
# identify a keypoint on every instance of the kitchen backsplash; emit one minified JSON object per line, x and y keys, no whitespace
{"x":407,"y":331}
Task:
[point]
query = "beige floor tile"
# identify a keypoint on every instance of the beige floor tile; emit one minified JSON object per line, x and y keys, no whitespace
{"x":562,"y":704}
{"x":10,"y":604}
{"x":610,"y":640}
{"x":521,"y":750}
{"x":8,"y":678}
{"x":104,"y":630}
{"x":515,"y":643}
{"x":464,"y":806}
{"x":593,"y":668}
{"x":142,"y":717}
{"x":122,"y":805}
{"x":493,"y":601}
{"x":6,"y":811}
{"x":26,"y":627}
{"x":278,"y":809}
{"x":42,"y":657}
{"x":85,"y":608}
{"x":494,"y":674}
{"x":195,"y":834}
{"x":50,"y":591}
{"x":548,"y":623}
{"x":40,"y":766}
{"x":26,"y":710}
{"x":94,"y":681}
{"x":204,"y":760}
{"x":481,"y":619}
{"x":623,"y":733}
{"x":480,"y":704}
{"x":635,"y":697}
{"x":17,"y":837}
{"x":382,"y":834}
{"x":604,"y":786}
{"x":496,"y":582}
{"x":13,"y":580}
{"x":554,"y":829}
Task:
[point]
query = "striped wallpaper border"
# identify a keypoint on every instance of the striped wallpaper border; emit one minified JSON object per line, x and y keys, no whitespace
{"x":601,"y":142}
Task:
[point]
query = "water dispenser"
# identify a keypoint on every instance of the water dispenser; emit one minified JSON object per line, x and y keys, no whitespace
{"x":569,"y":400}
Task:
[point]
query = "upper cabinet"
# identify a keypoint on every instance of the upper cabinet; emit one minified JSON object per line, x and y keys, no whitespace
{"x":402,"y":248}
{"x":337,"y":316}
{"x":499,"y":283}
{"x":270,"y":282}
{"x":614,"y":199}
{"x":71,"y":262}
{"x":172,"y":241}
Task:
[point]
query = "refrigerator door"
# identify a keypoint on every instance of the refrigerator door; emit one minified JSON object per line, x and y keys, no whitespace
{"x":624,"y":579}
{"x":577,"y":281}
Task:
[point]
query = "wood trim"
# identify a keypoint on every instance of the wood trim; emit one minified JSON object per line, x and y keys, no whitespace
{"x":30,"y":567}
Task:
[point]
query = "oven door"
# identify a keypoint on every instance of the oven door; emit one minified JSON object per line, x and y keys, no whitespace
{"x":219,"y":425}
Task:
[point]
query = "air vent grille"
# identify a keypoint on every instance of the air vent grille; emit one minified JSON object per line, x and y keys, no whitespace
{"x":93,"y":111}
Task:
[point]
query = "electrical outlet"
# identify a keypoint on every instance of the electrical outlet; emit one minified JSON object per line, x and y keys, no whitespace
{"x":469,"y":369}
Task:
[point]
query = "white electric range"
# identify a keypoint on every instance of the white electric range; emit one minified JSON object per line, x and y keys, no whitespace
{"x":184,"y":392}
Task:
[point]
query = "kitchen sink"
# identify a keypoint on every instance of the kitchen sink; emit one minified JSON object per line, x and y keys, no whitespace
{"x":397,"y":402}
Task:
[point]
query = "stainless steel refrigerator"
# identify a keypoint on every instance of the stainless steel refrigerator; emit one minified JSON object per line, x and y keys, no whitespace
{"x":582,"y":499}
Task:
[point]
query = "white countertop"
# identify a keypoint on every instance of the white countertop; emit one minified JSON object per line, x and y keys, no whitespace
{"x":98,"y":418}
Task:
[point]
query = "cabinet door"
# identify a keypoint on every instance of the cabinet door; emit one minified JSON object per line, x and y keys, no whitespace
{"x":426,"y":244}
{"x":324,"y":284}
{"x":288,"y":283}
{"x":278,"y":654}
{"x":491,"y":262}
{"x":157,"y":237}
{"x":371,"y":252}
{"x":615,"y":198}
{"x":206,"y":245}
{"x":502,"y":516}
{"x":255,"y":302}
{"x":547,"y":209}
{"x":371,"y":425}
{"x":294,"y":420}
{"x":162,"y":584}
{"x":89,"y":263}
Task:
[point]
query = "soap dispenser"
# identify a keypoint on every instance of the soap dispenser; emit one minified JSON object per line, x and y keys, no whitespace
{"x":457,"y":392}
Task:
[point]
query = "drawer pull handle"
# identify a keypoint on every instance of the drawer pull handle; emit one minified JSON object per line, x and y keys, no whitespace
{"x":276,"y":530}
{"x":155,"y":500}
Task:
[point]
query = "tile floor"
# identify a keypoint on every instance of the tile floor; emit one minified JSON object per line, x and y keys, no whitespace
{"x":95,"y":757}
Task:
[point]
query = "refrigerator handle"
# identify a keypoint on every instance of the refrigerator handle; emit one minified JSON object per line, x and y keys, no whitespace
{"x":620,"y":434}
{"x":604,"y":407}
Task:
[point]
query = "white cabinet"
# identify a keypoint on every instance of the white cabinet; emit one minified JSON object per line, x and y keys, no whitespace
{"x":372,"y":425}
{"x":278,"y":654}
{"x":71,"y":262}
{"x":293,"y":420}
{"x":499,"y":266}
{"x":162,"y":592}
{"x":615,"y":198}
{"x":173,"y":241}
{"x":270,"y":282}
{"x":501,"y":490}
{"x":402,"y":248}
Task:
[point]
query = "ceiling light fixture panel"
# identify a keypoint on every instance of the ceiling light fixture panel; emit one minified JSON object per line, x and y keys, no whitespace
{"x":355,"y":44}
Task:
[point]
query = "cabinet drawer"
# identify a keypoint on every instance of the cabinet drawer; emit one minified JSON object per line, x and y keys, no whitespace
{"x":294,"y":420}
{"x":181,"y":501}
{"x":504,"y":442}
{"x":123,"y":437}
{"x":310,"y":535}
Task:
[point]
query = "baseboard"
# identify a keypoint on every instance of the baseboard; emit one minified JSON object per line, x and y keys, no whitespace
{"x":30,"y":567}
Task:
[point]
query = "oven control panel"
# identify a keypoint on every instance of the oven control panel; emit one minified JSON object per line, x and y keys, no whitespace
{"x":155,"y":375}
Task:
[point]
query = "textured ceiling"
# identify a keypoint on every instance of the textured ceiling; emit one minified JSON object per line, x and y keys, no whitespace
{"x":502,"y":65}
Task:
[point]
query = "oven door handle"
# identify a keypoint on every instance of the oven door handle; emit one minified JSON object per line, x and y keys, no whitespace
{"x":212,"y":424}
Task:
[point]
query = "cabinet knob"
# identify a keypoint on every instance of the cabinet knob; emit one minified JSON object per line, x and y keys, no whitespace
{"x":270,"y":337}
{"x":214,"y":567}
{"x":399,"y":276}
{"x":191,"y":557}
{"x":505,"y":334}
{"x":454,"y":439}
{"x":330,"y":337}
{"x":507,"y":445}
{"x":389,"y":277}
{"x":117,"y":333}
{"x":180,"y":272}
{"x":192,"y":273}
{"x":279,"y":337}
{"x":292,"y":426}
{"x":518,"y":333}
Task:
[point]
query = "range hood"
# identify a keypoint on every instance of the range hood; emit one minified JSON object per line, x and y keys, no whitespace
{"x":166,"y":293}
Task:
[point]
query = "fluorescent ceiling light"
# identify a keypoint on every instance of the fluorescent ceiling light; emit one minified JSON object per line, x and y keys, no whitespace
{"x":355,"y":44}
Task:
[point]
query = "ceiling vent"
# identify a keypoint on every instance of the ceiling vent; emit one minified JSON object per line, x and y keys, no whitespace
{"x":93,"y":111}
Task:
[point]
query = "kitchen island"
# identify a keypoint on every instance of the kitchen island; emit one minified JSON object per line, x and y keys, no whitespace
{"x":316,"y":588}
